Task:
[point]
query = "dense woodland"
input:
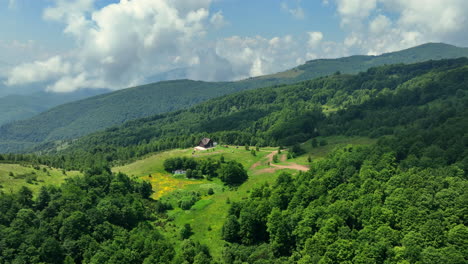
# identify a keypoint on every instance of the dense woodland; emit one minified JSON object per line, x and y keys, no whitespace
{"x":100,"y":218}
{"x":401,"y":200}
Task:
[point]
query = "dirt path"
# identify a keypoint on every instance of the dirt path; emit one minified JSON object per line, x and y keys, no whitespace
{"x":283,"y":158}
{"x":292,"y":166}
{"x":274,"y":167}
{"x":269,"y":158}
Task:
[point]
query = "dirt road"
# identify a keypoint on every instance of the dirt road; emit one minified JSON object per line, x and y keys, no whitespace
{"x":269,"y":159}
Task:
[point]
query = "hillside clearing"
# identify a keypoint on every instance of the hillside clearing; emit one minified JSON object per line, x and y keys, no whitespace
{"x":207,"y":216}
{"x":14,"y":176}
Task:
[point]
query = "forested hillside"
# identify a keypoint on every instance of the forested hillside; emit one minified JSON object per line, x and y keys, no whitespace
{"x":83,"y":117}
{"x":99,"y":218}
{"x":400,"y":200}
{"x":18,"y":107}
{"x":396,"y":202}
{"x":381,"y":101}
{"x":356,"y":64}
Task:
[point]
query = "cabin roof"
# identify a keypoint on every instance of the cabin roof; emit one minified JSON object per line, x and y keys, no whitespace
{"x":205,"y":141}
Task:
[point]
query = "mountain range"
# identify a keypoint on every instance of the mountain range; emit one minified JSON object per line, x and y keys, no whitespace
{"x":381,"y":101}
{"x":79,"y":118}
{"x":18,"y":107}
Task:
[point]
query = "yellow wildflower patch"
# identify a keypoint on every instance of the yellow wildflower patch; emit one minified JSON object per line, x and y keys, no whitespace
{"x":164,"y":183}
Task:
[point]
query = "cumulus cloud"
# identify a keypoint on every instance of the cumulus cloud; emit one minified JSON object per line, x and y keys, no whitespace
{"x":121,"y":43}
{"x":125,"y":43}
{"x":237,"y":57}
{"x":314,"y":38}
{"x":217,"y":20}
{"x":254,"y":56}
{"x":38,"y":71}
{"x":372,"y":31}
{"x":351,"y":10}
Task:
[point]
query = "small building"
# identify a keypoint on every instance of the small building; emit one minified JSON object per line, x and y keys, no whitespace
{"x":179,"y":172}
{"x":206,"y":143}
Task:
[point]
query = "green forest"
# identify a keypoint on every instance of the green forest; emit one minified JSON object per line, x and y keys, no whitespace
{"x":80,"y":118}
{"x":382,"y":101}
{"x":401,"y":199}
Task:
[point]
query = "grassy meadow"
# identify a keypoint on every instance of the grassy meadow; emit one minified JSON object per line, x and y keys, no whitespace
{"x":14,"y":176}
{"x":207,"y":216}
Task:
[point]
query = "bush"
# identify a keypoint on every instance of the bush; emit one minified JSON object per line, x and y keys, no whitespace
{"x":210,"y":191}
{"x":275,"y":158}
{"x":297,"y":150}
{"x":314,"y":143}
{"x":233,"y":173}
{"x":186,"y":231}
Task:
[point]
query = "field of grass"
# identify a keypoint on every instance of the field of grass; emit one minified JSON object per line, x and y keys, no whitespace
{"x":210,"y":211}
{"x":334,"y":142}
{"x":154,"y":163}
{"x":14,"y":176}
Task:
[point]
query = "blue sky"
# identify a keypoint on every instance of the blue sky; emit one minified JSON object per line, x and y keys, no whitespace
{"x":268,"y":19}
{"x":74,"y":44}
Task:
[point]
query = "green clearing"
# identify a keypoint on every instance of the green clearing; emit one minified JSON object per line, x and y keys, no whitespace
{"x":33,"y":178}
{"x":320,"y":152}
{"x":207,"y":216}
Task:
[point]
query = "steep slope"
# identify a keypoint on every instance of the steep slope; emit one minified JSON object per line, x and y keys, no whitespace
{"x":18,"y":107}
{"x":378,"y":102}
{"x":80,"y":118}
{"x":83,"y":117}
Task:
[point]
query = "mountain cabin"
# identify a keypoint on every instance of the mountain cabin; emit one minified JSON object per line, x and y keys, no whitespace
{"x":206,"y":143}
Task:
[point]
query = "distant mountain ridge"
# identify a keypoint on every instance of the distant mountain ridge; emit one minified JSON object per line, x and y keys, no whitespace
{"x":358,"y":63}
{"x":18,"y":107}
{"x":79,"y":118}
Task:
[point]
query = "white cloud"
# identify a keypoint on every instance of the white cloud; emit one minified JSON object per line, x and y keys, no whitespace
{"x":314,"y":39}
{"x":356,"y":8}
{"x":297,"y":12}
{"x":217,"y":20}
{"x":353,"y":11}
{"x":380,"y":24}
{"x":122,"y":44}
{"x":38,"y":71}
{"x":254,"y":56}
{"x":440,"y":18}
{"x":372,"y":31}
